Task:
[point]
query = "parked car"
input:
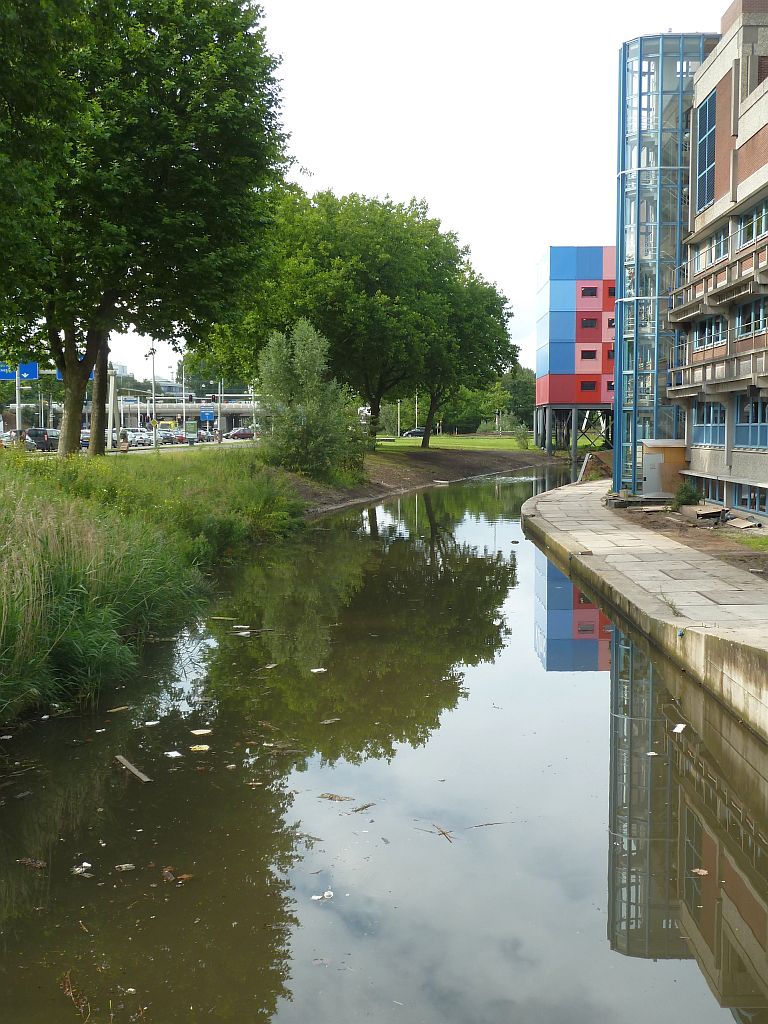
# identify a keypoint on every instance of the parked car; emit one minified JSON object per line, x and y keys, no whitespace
{"x":9,"y":438}
{"x":414,"y":432}
{"x":206,"y":435}
{"x":166,"y":436}
{"x":85,"y":438}
{"x":45,"y":438}
{"x":240,"y":434}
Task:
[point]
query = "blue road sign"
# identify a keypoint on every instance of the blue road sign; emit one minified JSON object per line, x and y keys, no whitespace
{"x":28,"y":371}
{"x":207,"y":415}
{"x":59,"y":377}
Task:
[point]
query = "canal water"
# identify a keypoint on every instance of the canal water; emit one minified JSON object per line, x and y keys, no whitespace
{"x":405,"y":771}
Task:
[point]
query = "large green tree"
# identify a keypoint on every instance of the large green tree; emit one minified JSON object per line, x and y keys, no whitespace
{"x":161,"y":191}
{"x":468,"y":344}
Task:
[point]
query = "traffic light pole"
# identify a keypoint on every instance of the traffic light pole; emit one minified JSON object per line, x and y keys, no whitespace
{"x":18,"y":401}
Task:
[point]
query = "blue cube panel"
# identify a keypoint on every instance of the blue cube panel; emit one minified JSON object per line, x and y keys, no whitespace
{"x":562,"y":327}
{"x":542,"y":361}
{"x":542,"y":331}
{"x":562,"y":295}
{"x":562,"y":357}
{"x":589,"y":263}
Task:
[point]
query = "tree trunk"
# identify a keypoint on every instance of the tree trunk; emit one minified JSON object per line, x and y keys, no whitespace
{"x":434,"y":402}
{"x":373,"y":422}
{"x":97,"y":443}
{"x":72,"y":417}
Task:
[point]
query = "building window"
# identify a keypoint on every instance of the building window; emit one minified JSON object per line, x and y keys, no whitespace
{"x":705,"y":162}
{"x":709,"y":423}
{"x":751,"y":429}
{"x":750,"y":318}
{"x":610,"y":385}
{"x":590,"y":353}
{"x":588,"y":323}
{"x":762,"y":69}
{"x":711,"y":490}
{"x":751,"y":498}
{"x":611,"y":323}
{"x":589,"y":293}
{"x":610,"y":353}
{"x":588,"y":385}
{"x":612,"y":292}
{"x":753,"y":224}
{"x":709,"y":332}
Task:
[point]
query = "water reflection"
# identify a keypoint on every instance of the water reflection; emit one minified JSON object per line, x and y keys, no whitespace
{"x":571,"y":633}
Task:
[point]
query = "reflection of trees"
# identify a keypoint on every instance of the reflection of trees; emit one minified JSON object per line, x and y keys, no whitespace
{"x":407,"y":608}
{"x":218,"y":943}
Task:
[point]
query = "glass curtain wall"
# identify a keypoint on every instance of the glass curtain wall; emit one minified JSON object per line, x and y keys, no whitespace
{"x":655,"y":96}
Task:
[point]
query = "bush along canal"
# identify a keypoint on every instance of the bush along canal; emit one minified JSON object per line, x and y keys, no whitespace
{"x":405,"y":771}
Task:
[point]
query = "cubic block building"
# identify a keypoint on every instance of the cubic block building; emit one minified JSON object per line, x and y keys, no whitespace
{"x":575,"y":333}
{"x":720,"y":307}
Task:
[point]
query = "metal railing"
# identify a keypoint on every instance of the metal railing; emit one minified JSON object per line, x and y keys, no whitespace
{"x":719,"y":364}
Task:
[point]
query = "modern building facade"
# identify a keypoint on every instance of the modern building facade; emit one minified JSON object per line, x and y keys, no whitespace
{"x":575,"y":332}
{"x":656,"y":80}
{"x":720,"y":307}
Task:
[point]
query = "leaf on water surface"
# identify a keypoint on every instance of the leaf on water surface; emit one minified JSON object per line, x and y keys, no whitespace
{"x":273,"y":665}
{"x":334,"y":796}
{"x":168,"y":875}
{"x":699,"y":871}
{"x":184,"y":878}
{"x":362,"y":807}
{"x":125,"y":867}
{"x":199,"y":748}
{"x":201,"y":732}
{"x":329,"y":721}
{"x":32,"y":862}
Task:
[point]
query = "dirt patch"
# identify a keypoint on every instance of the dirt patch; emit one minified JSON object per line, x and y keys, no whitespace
{"x":715,"y":540}
{"x":394,"y":472}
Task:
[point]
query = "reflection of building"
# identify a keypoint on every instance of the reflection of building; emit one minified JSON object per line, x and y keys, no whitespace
{"x":574,"y":342}
{"x":688,"y":863}
{"x":570,"y":633}
{"x":723,"y":849}
{"x":643,"y":914}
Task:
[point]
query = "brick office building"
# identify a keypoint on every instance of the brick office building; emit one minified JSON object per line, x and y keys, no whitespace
{"x":720,"y":377}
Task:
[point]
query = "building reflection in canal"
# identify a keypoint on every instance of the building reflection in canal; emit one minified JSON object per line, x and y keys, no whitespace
{"x":688,"y":813}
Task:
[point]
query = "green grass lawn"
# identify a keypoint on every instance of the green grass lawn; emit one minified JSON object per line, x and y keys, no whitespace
{"x":461,"y":442}
{"x":757,"y":540}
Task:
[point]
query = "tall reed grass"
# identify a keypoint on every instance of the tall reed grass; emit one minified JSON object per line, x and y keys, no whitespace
{"x":94,"y":553}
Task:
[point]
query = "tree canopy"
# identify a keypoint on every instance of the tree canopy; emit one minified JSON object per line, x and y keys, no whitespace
{"x":162,"y":178}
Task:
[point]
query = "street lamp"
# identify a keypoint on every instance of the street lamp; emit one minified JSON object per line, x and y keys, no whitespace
{"x":154,"y":417}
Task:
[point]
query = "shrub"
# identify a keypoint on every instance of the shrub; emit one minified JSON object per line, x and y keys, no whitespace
{"x":686,"y":494}
{"x":316,"y":427}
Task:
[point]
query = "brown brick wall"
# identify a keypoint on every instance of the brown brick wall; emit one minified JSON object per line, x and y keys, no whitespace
{"x":739,"y":7}
{"x":724,"y":141}
{"x":753,"y":154}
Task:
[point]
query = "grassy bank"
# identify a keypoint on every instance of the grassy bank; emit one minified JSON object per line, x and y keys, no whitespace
{"x":97,"y":553}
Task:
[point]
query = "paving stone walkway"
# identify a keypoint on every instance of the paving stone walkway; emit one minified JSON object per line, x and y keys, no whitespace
{"x":663,"y":576}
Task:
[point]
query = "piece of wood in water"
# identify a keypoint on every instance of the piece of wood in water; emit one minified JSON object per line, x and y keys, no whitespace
{"x":132,"y":768}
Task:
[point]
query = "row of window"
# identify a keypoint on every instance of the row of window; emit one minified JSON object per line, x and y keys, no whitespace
{"x":589,"y":322}
{"x":709,"y":423}
{"x":590,"y":292}
{"x":591,"y":385}
{"x":705,"y":162}
{"x":712,"y":250}
{"x":750,"y":427}
{"x":745,"y":496}
{"x":709,"y":332}
{"x":591,"y":353}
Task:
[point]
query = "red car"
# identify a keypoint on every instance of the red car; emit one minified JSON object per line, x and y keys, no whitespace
{"x":240,"y":434}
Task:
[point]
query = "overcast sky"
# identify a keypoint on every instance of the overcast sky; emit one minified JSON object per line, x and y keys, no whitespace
{"x":501,"y":115}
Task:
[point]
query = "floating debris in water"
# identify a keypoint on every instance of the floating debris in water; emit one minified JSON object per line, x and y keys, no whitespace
{"x":679,"y":727}
{"x":199,"y":748}
{"x":32,"y":862}
{"x":83,"y":870}
{"x":327,"y":895}
{"x":201,"y":732}
{"x":329,"y":721}
{"x":172,"y":753}
{"x":123,"y":707}
{"x":315,"y":671}
{"x":125,"y":867}
{"x":149,"y":724}
{"x":334,"y":796}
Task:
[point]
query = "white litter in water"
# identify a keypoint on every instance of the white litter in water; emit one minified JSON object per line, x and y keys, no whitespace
{"x":679,"y":727}
{"x":151,"y":723}
{"x":651,"y":753}
{"x":172,"y":753}
{"x":315,"y":670}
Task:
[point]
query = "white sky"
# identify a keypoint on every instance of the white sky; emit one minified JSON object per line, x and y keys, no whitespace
{"x":501,"y":115}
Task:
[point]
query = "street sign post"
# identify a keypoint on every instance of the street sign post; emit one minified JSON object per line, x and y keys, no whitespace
{"x":207,"y":415}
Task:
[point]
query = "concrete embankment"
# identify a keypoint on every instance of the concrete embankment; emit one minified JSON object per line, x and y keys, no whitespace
{"x":709,"y":618}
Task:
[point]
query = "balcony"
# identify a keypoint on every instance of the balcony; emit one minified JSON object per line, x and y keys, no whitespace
{"x":738,"y":361}
{"x":708,"y":290}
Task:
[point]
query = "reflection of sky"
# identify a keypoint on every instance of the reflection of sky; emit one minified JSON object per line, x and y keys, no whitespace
{"x":508,"y":922}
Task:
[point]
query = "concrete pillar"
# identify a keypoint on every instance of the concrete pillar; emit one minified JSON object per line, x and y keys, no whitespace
{"x":730,"y":428}
{"x":548,"y":429}
{"x":574,"y":433}
{"x":536,"y":431}
{"x":689,"y":423}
